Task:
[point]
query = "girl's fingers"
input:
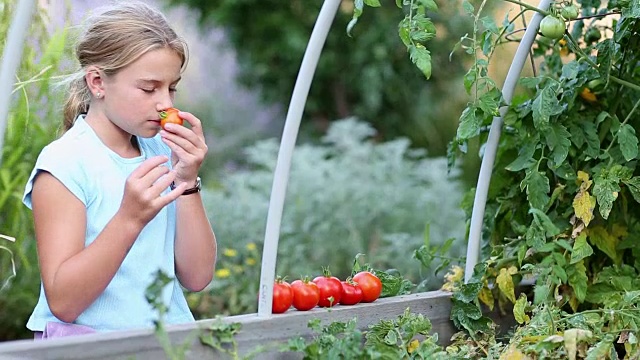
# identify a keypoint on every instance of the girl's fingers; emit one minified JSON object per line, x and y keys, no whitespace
{"x":147,"y":166}
{"x":196,"y":124}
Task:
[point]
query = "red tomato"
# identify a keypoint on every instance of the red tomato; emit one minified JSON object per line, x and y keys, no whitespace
{"x":370,"y":284}
{"x":330,"y":290}
{"x":351,"y":293}
{"x":170,"y":116}
{"x":282,"y":297}
{"x":306,"y":294}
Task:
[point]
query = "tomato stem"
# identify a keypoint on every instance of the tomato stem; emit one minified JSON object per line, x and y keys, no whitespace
{"x":581,"y":53}
{"x":530,"y":7}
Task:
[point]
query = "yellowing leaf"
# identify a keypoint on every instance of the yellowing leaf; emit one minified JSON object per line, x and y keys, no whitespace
{"x":519,"y":310}
{"x":604,"y":241}
{"x":486,"y":296}
{"x":413,"y":345}
{"x":583,"y":205}
{"x":505,"y":282}
{"x":571,"y":339}
{"x":512,"y":353}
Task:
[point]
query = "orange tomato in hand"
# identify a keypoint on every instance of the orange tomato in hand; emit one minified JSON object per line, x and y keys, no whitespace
{"x":170,"y":116}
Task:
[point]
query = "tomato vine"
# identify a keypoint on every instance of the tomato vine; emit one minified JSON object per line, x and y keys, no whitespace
{"x":563,"y":210}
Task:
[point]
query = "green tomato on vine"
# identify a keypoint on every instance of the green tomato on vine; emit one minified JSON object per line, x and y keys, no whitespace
{"x":552,"y":27}
{"x":569,"y":12}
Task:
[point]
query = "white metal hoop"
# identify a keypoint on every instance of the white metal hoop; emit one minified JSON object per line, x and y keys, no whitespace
{"x":486,"y":167}
{"x":289,"y":136}
{"x":11,"y":59}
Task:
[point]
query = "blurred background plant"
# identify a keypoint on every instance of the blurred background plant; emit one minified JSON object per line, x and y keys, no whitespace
{"x":32,"y":123}
{"x":348,"y":195}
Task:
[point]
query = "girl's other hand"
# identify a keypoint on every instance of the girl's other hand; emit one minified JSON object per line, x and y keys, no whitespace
{"x":188,"y":148}
{"x":143,"y":197}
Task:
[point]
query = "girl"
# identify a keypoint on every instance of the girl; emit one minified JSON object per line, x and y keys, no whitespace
{"x":116,"y":198}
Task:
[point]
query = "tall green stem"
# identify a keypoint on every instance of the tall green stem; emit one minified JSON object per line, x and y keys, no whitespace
{"x":530,"y":7}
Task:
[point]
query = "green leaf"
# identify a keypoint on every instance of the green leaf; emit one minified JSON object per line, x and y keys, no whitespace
{"x":404,"y":31}
{"x":570,"y":70}
{"x":545,"y":222}
{"x":633,"y":185}
{"x":468,"y":8}
{"x":489,"y":102}
{"x":372,"y":3}
{"x":421,"y":57}
{"x":606,"y":190}
{"x":558,"y":142}
{"x":605,"y":58}
{"x":468,"y":292}
{"x":469,"y":124}
{"x":537,"y":187}
{"x":541,"y":293}
{"x":546,"y":105}
{"x":429,"y":4}
{"x":577,"y":278}
{"x":593,"y":141}
{"x":628,"y":142}
{"x":525,"y":153}
{"x":581,"y":249}
{"x":632,"y":11}
{"x":423,"y":28}
{"x":469,"y":316}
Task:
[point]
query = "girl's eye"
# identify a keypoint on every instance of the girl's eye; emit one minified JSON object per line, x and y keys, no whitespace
{"x":147,"y":90}
{"x":173,"y":89}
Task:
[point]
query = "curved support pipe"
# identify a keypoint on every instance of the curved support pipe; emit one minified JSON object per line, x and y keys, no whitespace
{"x":488,"y":159}
{"x":11,"y":59}
{"x":289,"y":135}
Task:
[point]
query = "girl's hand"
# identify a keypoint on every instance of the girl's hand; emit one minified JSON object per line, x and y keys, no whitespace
{"x":143,"y":189}
{"x":188,"y":148}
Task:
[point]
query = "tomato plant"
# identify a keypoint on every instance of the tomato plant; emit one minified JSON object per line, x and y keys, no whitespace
{"x":330,"y":289}
{"x":306,"y":294}
{"x":282,"y":296}
{"x":563,"y":205}
{"x":170,"y":116}
{"x":351,"y":293}
{"x":370,"y":284}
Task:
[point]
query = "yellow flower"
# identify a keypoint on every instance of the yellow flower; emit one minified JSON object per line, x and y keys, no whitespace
{"x":588,"y":95}
{"x":230,"y":252}
{"x":250,"y":261}
{"x":564,"y":50}
{"x":223,"y":273}
{"x":251,"y":246}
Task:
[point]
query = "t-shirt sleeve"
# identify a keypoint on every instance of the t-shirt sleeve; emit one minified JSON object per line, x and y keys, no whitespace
{"x":56,"y":161}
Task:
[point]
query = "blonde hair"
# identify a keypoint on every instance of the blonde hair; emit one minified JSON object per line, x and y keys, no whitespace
{"x":113,"y":39}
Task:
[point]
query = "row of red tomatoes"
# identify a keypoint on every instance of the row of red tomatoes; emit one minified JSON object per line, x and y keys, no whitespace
{"x":325,"y":291}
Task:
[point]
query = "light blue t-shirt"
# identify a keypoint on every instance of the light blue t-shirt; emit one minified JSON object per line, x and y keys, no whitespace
{"x":96,"y":175}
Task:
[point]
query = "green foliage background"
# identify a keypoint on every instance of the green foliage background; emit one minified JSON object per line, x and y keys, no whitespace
{"x":32,"y":123}
{"x":366,"y":75}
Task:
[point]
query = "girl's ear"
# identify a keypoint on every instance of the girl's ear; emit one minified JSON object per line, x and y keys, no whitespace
{"x":95,"y":81}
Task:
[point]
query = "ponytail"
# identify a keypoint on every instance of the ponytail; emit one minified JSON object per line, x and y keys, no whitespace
{"x":78,"y":99}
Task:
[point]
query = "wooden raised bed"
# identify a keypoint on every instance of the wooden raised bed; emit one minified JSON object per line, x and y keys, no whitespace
{"x":143,"y":344}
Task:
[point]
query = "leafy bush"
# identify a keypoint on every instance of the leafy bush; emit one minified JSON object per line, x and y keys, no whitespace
{"x":347,"y":195}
